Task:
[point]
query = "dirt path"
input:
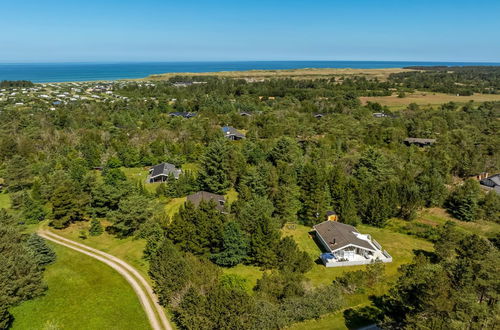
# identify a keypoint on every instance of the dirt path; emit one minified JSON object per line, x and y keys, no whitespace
{"x":136,"y":280}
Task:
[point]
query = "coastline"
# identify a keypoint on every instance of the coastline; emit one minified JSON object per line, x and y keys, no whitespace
{"x":105,"y":72}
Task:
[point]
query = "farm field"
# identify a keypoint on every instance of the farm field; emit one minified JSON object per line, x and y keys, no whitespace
{"x":81,"y":287}
{"x":426,"y":98}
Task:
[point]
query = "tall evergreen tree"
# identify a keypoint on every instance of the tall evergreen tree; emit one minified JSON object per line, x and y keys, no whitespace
{"x":314,"y":195}
{"x":286,"y":197}
{"x":32,"y":210}
{"x":463,"y":201}
{"x":68,"y":205}
{"x":41,"y":251}
{"x":133,"y":211}
{"x":169,"y":271}
{"x":20,"y":275}
{"x":95,"y":228}
{"x":234,"y":246}
{"x":213,"y":175}
{"x":198,"y":230}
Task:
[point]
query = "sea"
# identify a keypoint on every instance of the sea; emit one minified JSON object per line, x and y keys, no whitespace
{"x":61,"y":72}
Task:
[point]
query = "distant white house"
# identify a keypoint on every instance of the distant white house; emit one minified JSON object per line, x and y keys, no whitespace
{"x":345,"y":246}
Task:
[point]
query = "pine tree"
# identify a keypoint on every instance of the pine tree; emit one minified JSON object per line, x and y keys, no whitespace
{"x":291,"y":259}
{"x":380,"y":204}
{"x":21,"y":277}
{"x":285,"y":150}
{"x":32,"y":210}
{"x":463,"y":201}
{"x":234,"y":246}
{"x":343,"y":193}
{"x":95,"y":228}
{"x":213,"y":175}
{"x":68,"y":205}
{"x":286,"y":198}
{"x":169,"y":271}
{"x":263,"y":242}
{"x":314,"y":195}
{"x":41,"y":251}
{"x":409,"y":198}
{"x":132,"y":211}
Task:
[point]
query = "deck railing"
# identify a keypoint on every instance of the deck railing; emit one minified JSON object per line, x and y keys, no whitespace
{"x":376,"y":244}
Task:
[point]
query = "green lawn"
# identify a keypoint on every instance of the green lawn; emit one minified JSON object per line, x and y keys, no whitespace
{"x":173,"y":206}
{"x":140,"y":174}
{"x":438,"y":216}
{"x":4,"y":201}
{"x":83,"y":294}
{"x":333,"y":321}
{"x":250,"y":273}
{"x":127,"y":249}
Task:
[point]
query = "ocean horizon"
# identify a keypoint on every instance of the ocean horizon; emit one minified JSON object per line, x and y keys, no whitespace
{"x":94,"y":71}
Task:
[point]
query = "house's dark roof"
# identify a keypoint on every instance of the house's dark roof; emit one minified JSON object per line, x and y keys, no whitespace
{"x":196,"y":199}
{"x":419,"y":141}
{"x":182,"y":114}
{"x":338,"y":235}
{"x":492,"y":182}
{"x":165,"y":169}
{"x":318,"y":115}
{"x":231,"y":131}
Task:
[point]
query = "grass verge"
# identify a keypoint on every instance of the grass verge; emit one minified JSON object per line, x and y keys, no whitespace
{"x":83,"y":294}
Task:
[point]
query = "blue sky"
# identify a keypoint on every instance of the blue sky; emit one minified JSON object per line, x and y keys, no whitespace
{"x":219,"y":30}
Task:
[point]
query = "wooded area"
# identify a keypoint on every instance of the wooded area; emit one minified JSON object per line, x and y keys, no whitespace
{"x":68,"y":164}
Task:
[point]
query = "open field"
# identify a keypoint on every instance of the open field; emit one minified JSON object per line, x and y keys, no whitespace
{"x":81,"y":288}
{"x":128,"y":249}
{"x":437,"y":216}
{"x":427,"y":98}
{"x":310,"y":73}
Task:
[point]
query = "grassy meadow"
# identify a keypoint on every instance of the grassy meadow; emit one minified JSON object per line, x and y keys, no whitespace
{"x":308,"y":73}
{"x":83,"y":293}
{"x":128,"y":249}
{"x":426,"y":99}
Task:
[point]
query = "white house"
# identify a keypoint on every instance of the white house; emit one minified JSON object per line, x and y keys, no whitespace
{"x":345,"y":246}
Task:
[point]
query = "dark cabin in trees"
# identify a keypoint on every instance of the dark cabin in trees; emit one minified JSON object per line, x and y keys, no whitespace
{"x":491,"y":183}
{"x":219,"y":200}
{"x":160,"y":172}
{"x":419,"y":142}
{"x":232,"y":133}
{"x":183,"y":114}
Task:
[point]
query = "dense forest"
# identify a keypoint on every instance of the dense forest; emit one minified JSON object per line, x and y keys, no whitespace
{"x":68,"y":164}
{"x":456,"y":80}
